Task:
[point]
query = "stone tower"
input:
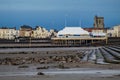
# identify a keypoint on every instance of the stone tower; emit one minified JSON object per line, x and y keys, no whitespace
{"x":98,"y":22}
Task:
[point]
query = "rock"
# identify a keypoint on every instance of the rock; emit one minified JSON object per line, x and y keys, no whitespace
{"x":40,"y":73}
{"x":42,"y":61}
{"x":44,"y":67}
{"x":61,"y":66}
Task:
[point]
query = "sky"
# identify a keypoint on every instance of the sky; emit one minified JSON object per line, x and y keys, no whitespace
{"x":56,"y":14}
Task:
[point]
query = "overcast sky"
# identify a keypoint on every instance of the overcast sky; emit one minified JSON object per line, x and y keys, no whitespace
{"x":52,"y":13}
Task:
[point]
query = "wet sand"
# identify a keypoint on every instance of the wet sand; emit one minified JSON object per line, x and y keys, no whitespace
{"x":73,"y":70}
{"x":85,"y":72}
{"x":12,"y":50}
{"x":61,"y":77}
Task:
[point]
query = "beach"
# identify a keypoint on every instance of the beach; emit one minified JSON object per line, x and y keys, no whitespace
{"x":54,"y":64}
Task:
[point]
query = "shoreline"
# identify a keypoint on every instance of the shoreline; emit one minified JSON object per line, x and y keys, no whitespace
{"x":71,"y":71}
{"x":65,"y":75}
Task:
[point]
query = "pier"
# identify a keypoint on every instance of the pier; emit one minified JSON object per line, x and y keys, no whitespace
{"x":78,"y":41}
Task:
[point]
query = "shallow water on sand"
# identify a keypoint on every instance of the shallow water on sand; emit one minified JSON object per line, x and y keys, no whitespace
{"x":72,"y":71}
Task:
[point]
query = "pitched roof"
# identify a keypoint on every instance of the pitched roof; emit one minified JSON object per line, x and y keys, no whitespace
{"x":26,"y":26}
{"x":73,"y":30}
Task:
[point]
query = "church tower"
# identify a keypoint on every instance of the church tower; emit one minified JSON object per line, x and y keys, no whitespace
{"x":98,"y":22}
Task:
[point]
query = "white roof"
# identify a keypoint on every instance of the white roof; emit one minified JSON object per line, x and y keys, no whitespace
{"x":73,"y":31}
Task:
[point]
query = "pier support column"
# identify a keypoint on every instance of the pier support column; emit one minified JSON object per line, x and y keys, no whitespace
{"x":106,"y":40}
{"x":85,"y":42}
{"x":92,"y":41}
{"x":80,"y":42}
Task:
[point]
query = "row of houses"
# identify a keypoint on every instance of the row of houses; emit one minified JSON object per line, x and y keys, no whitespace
{"x":41,"y":32}
{"x":26,"y":31}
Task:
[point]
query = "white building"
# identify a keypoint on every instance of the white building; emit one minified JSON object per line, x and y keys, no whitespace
{"x":111,"y":32}
{"x":69,"y":32}
{"x":40,"y":32}
{"x":7,"y":33}
{"x":117,"y":31}
{"x":76,"y":36}
{"x":53,"y":33}
{"x":114,"y":32}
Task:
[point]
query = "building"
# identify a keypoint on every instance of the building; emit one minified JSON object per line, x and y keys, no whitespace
{"x":117,"y":31}
{"x":40,"y":32}
{"x":114,"y":32}
{"x":25,"y":31}
{"x":53,"y":33}
{"x":97,"y":31}
{"x":110,"y":32}
{"x":76,"y":36}
{"x":70,"y":32}
{"x":98,"y":22}
{"x":8,"y":33}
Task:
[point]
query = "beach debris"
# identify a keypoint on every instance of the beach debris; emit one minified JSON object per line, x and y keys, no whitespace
{"x":44,"y":67}
{"x":118,"y":75}
{"x":40,"y":73}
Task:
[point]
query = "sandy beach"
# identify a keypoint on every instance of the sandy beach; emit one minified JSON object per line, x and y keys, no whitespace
{"x":54,"y":64}
{"x":14,"y":73}
{"x":63,"y":77}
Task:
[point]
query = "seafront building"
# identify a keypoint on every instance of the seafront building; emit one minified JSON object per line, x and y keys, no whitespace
{"x":114,"y":32}
{"x":53,"y":33}
{"x":72,"y":32}
{"x":117,"y":31}
{"x":40,"y":32}
{"x":8,"y":33}
{"x":76,"y":36}
{"x":25,"y":31}
{"x":98,"y":30}
{"x":37,"y":32}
